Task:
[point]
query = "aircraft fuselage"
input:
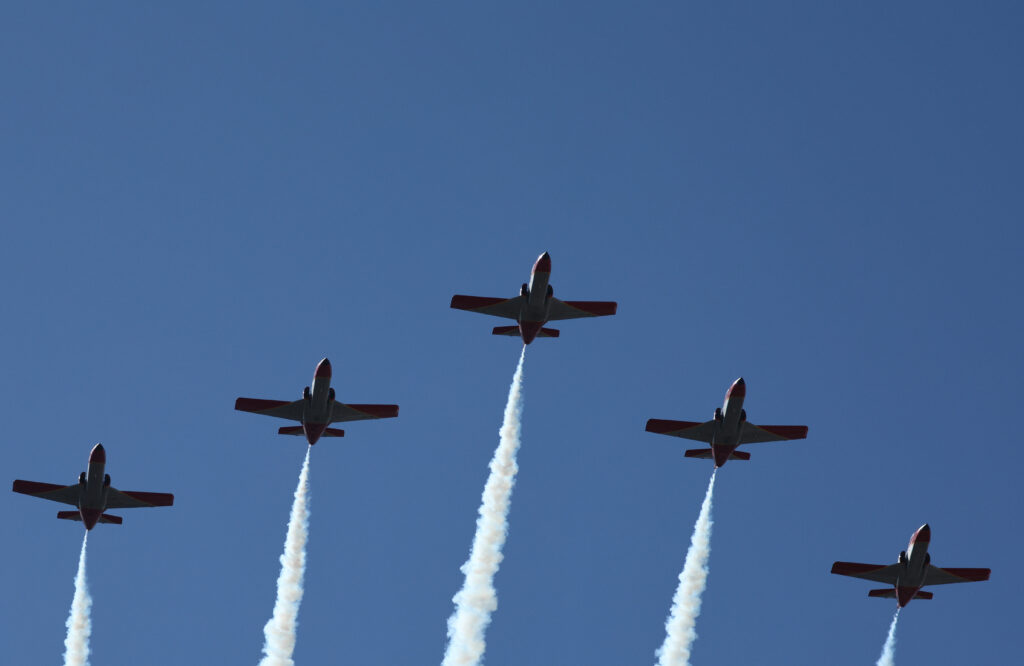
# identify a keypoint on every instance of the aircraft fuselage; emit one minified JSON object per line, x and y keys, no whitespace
{"x":534,"y":313}
{"x":317,"y":413}
{"x":913,"y":565}
{"x":729,"y":422}
{"x":94,"y":484}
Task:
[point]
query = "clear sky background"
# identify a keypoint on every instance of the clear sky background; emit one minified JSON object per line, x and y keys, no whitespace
{"x":200,"y":201}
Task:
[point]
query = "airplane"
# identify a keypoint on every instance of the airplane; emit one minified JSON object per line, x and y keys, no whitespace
{"x":727,"y":430}
{"x":93,"y":494}
{"x":316,"y":410}
{"x":912,"y":571}
{"x":534,"y":306}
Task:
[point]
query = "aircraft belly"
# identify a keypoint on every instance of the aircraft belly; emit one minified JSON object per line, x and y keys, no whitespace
{"x":532,"y":313}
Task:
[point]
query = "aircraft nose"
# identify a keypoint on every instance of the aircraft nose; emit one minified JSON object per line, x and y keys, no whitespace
{"x":543,"y":264}
{"x":323,"y":369}
{"x":98,"y":455}
{"x":923,"y":535}
{"x":738,"y":389}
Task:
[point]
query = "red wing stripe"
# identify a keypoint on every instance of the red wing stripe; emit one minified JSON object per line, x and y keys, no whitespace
{"x":257,"y":405}
{"x":854,"y":568}
{"x":34,"y":487}
{"x":473,"y":302}
{"x":377,"y":411}
{"x":664,"y":426}
{"x":973,"y":575}
{"x":789,"y":432}
{"x":596,"y":308}
{"x":152,"y":499}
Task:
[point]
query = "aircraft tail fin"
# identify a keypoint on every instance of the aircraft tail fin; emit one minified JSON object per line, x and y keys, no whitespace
{"x":707,"y":454}
{"x":514,"y":331}
{"x":297,"y":430}
{"x":104,"y":518}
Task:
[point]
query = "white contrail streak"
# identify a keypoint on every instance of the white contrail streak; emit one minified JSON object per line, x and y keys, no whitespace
{"x":888,"y":657}
{"x":280,"y":630}
{"x":477,"y":599}
{"x":679,"y":628}
{"x":76,"y":645}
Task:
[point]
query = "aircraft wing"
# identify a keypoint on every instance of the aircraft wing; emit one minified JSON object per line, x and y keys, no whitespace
{"x":282,"y":409}
{"x":508,"y":308}
{"x":132,"y":499}
{"x":50,"y":491}
{"x":342,"y":412}
{"x":702,"y":432}
{"x":753,"y":434}
{"x":937,"y":576}
{"x":876,"y":572}
{"x":574,"y":309}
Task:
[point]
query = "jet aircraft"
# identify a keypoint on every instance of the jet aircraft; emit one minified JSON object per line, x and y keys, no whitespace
{"x":912,"y":571}
{"x":534,"y":306}
{"x":316,"y":410}
{"x":93,"y":494}
{"x":727,"y":430}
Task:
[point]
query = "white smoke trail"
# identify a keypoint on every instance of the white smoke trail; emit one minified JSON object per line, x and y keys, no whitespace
{"x":280,"y":629}
{"x":76,"y":645}
{"x":888,"y":657}
{"x":682,"y":619}
{"x":477,"y":599}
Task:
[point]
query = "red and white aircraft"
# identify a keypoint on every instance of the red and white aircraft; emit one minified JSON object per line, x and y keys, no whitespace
{"x":727,"y":430}
{"x":93,"y":494}
{"x":316,"y":410}
{"x":912,"y":571}
{"x":534,"y":306}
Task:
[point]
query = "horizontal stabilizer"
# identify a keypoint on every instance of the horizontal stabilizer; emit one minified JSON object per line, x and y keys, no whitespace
{"x":890,"y":593}
{"x":297,"y":430}
{"x":75,"y":515}
{"x":707,"y":454}
{"x":514,"y":331}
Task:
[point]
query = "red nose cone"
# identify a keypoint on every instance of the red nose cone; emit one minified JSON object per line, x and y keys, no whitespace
{"x":738,"y":389}
{"x":98,"y":455}
{"x":323,"y":369}
{"x":922,"y":535}
{"x":543,"y":264}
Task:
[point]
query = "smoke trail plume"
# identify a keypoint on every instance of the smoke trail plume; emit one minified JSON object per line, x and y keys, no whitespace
{"x":280,"y":629}
{"x":888,"y":657}
{"x":76,"y":645}
{"x":682,"y":619}
{"x":477,"y":599}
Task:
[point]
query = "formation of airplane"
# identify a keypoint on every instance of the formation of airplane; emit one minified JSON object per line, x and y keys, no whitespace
{"x":535,"y":306}
{"x":727,"y":430}
{"x":316,"y":410}
{"x":93,"y":494}
{"x":912,"y":571}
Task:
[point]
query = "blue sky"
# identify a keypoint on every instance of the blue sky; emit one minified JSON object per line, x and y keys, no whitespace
{"x":200,"y":202}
